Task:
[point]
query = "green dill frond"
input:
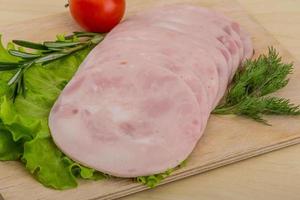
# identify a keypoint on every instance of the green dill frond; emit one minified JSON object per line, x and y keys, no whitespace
{"x":258,"y":78}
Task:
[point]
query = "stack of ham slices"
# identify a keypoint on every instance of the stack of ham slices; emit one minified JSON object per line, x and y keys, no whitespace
{"x":140,"y":102}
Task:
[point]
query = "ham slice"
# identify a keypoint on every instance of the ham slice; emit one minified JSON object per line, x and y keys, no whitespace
{"x":141,"y":100}
{"x":213,"y":64}
{"x":200,"y":23}
{"x":127,"y":121}
{"x":188,"y":63}
{"x":202,"y":20}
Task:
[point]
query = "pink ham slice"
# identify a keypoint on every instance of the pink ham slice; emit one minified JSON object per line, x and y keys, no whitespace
{"x":127,"y":121}
{"x":140,"y":101}
{"x":195,"y":16}
{"x":190,"y":64}
{"x":201,"y":20}
{"x":177,"y":68}
{"x":199,"y":24}
{"x":216,"y":75}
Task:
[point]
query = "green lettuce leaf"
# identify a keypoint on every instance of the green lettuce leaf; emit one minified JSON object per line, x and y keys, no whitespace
{"x":9,"y":150}
{"x":154,"y":180}
{"x":46,"y":162}
{"x":24,"y":132}
{"x":4,"y":55}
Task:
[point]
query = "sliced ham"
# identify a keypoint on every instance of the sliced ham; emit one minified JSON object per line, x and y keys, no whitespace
{"x":190,"y":58}
{"x":187,"y":76}
{"x":199,"y":20}
{"x":200,"y":23}
{"x":196,"y":17}
{"x":182,"y":60}
{"x":127,"y":121}
{"x":141,"y":100}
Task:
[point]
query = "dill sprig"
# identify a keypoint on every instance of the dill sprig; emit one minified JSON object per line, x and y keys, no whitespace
{"x":43,"y":53}
{"x":248,"y":95}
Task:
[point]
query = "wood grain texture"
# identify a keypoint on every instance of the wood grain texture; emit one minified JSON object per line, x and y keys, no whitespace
{"x":217,"y":148}
{"x":273,"y":176}
{"x":14,"y":11}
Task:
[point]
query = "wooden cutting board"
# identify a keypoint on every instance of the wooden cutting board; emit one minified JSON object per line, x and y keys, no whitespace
{"x":227,"y":139}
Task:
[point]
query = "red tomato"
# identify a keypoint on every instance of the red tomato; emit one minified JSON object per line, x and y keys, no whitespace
{"x":97,"y":15}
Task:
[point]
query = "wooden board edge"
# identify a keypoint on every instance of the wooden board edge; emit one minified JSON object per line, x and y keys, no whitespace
{"x":230,"y":160}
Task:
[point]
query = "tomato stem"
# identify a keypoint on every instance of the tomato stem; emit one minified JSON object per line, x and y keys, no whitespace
{"x":67,"y":4}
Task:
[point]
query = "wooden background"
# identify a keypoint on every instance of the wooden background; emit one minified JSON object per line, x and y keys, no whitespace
{"x":273,"y":176}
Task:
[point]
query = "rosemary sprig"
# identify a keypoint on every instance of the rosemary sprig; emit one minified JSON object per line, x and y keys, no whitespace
{"x":42,"y":54}
{"x":248,"y":95}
